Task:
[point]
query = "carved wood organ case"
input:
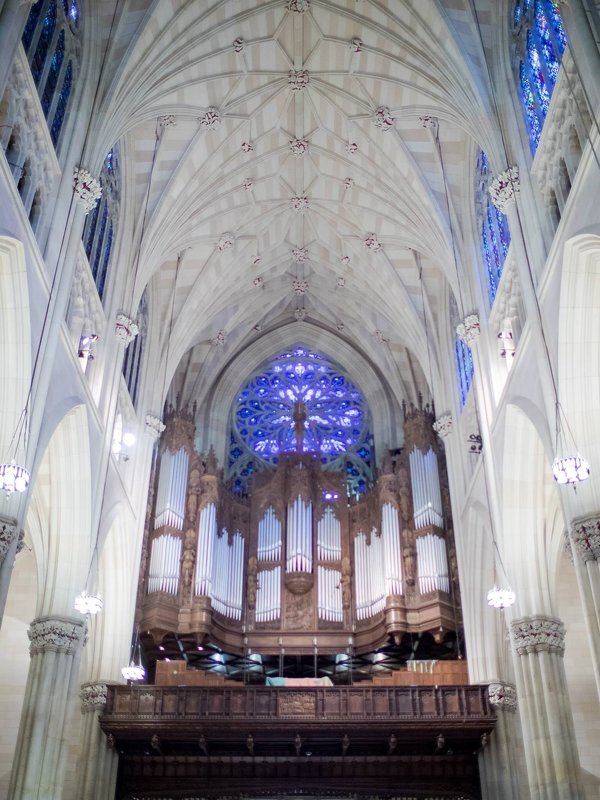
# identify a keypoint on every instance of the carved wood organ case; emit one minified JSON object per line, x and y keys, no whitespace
{"x":296,"y":562}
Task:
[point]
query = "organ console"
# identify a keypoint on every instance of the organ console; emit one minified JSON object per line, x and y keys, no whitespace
{"x":296,"y":561}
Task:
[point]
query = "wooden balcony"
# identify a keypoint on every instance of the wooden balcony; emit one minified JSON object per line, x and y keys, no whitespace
{"x":251,"y":740}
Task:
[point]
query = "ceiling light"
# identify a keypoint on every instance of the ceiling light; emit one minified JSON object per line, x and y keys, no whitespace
{"x":88,"y":603}
{"x":501,"y":598}
{"x":13,"y":478}
{"x":570,"y":469}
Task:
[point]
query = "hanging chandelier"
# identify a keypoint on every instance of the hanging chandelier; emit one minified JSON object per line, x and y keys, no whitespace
{"x":13,"y":478}
{"x":88,"y":603}
{"x":501,"y":598}
{"x":570,"y":469}
{"x":135,"y":670}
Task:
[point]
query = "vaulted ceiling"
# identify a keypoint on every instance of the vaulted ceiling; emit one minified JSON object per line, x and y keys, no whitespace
{"x":293,"y":132}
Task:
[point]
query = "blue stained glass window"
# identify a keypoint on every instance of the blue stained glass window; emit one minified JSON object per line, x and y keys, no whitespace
{"x":101,"y":277}
{"x":95,"y":265}
{"x":61,"y":106}
{"x":494,"y":230}
{"x":31,"y":24}
{"x":464,"y":366}
{"x":336,"y":425}
{"x":52,"y":79}
{"x":43,"y":44}
{"x":545,"y":40}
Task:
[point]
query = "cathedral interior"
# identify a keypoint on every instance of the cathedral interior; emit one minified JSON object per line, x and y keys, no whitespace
{"x":299,"y":399}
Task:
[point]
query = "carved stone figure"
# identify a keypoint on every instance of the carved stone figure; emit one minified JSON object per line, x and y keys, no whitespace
{"x":252,"y":582}
{"x":187,"y":568}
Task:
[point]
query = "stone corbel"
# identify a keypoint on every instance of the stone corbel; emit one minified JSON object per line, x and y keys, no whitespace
{"x":538,"y":634}
{"x":503,"y":695}
{"x":8,"y":532}
{"x":585,"y":535}
{"x":505,"y":188}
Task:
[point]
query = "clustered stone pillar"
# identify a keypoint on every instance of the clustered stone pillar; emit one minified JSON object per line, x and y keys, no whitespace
{"x":97,"y":768}
{"x":584,"y":544}
{"x":42,"y":742}
{"x":548,"y":734}
{"x":502,"y":748}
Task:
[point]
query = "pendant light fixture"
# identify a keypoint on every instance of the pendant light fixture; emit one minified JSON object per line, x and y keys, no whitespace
{"x":135,"y":671}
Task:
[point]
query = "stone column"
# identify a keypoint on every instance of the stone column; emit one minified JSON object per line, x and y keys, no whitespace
{"x":13,"y":16}
{"x":551,"y":755}
{"x":584,"y":542}
{"x":502,"y":748}
{"x":11,"y":543}
{"x":584,"y":51}
{"x":98,"y":760}
{"x":42,"y":742}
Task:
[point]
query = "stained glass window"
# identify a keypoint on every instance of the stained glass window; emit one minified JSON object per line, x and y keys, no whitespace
{"x":54,"y":72}
{"x":61,"y":106}
{"x":464,"y":366}
{"x":541,"y":42}
{"x":100,"y":226}
{"x":336,"y":423}
{"x":51,"y":40}
{"x":43,"y":45}
{"x":493,"y":228}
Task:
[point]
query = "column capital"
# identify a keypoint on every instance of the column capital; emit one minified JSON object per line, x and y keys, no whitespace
{"x":503,"y":695}
{"x":87,"y":188}
{"x":539,"y":634}
{"x":8,"y":531}
{"x":93,"y":696}
{"x":443,"y":425}
{"x":504,"y":189}
{"x":469,"y":329}
{"x":56,"y":634}
{"x":154,"y":426}
{"x":126,"y":329}
{"x":585,"y":536}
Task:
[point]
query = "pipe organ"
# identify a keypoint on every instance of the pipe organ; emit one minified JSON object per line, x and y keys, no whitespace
{"x":297,"y":562}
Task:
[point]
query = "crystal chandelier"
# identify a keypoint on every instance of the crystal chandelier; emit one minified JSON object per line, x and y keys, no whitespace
{"x":135,"y":671}
{"x":501,"y":598}
{"x":13,"y":478}
{"x":88,"y":603}
{"x":570,"y":469}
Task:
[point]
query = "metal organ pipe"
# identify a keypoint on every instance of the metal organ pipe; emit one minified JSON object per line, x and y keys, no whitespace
{"x":329,"y":594}
{"x":390,"y":533}
{"x":432,"y":564}
{"x":207,"y":531}
{"x":370,"y":580}
{"x":268,"y":595}
{"x":227,"y":575}
{"x":425,"y":482}
{"x":299,"y":536}
{"x":269,"y":537}
{"x":164,"y":564}
{"x":172,"y":488}
{"x":329,"y":537}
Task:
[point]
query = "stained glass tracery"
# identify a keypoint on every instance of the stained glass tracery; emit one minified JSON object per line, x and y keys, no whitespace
{"x":493,"y":228}
{"x":336,"y":424}
{"x":541,"y":42}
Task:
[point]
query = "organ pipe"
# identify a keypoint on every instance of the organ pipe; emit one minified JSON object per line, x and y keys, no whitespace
{"x":329,"y":537}
{"x":329,"y":594}
{"x":164,"y":564}
{"x":427,"y":498}
{"x":432,"y":564}
{"x":268,"y":595}
{"x":369,"y":576}
{"x":172,"y":487}
{"x":390,"y":533}
{"x":269,"y":537}
{"x":227,"y":575}
{"x":207,"y":532}
{"x":299,"y":536}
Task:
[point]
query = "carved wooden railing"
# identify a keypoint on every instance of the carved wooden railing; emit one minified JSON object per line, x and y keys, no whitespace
{"x":422,"y":706}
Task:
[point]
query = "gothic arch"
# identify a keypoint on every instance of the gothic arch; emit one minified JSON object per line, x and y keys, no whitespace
{"x":384,"y":406}
{"x":579,"y":353}
{"x":15,"y":365}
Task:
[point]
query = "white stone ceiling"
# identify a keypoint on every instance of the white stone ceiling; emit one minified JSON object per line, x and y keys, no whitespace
{"x":277,"y":146}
